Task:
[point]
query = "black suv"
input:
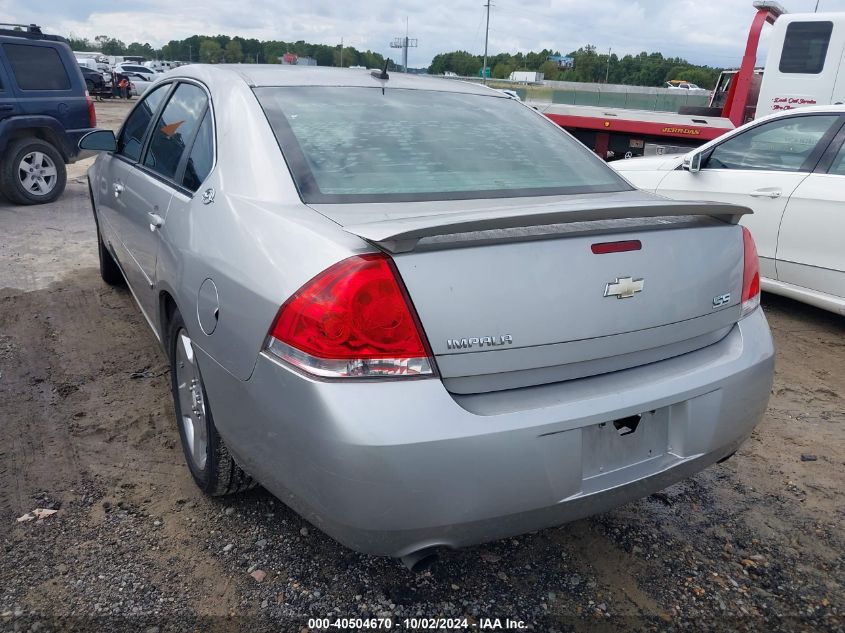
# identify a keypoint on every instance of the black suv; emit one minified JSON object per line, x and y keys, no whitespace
{"x":44,"y":111}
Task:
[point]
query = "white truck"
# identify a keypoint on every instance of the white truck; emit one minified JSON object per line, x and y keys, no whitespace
{"x":805,"y":66}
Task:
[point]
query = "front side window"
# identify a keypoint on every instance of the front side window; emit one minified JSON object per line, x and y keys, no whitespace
{"x":37,"y":67}
{"x":805,"y":47}
{"x":131,"y":138}
{"x":367,"y":145}
{"x":201,"y":157}
{"x":175,"y":129}
{"x":780,"y":145}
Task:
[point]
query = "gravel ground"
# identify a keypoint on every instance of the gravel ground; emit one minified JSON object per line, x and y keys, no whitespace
{"x":753,"y":544}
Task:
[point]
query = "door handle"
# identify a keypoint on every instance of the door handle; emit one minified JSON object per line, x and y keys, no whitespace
{"x":6,"y":107}
{"x":118,"y":189}
{"x":156,"y":221}
{"x":766,"y":193}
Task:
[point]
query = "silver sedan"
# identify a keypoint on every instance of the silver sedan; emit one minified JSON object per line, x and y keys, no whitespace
{"x":417,"y":311}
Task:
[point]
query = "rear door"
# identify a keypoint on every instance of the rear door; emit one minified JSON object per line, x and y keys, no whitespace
{"x":155,"y":182}
{"x":760,"y":168}
{"x":45,"y":85}
{"x":8,"y":103}
{"x":810,"y":251}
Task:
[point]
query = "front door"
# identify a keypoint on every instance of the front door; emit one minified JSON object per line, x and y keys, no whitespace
{"x":758,"y":168}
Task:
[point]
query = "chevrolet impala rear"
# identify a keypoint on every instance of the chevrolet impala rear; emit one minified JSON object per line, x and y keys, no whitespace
{"x":440,"y":320}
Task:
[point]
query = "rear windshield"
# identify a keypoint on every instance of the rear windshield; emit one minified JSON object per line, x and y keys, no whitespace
{"x":369,"y":145}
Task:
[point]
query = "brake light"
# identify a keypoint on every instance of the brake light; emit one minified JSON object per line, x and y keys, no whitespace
{"x":353,"y":320}
{"x":92,"y":113}
{"x":603,"y":248}
{"x":750,"y":275}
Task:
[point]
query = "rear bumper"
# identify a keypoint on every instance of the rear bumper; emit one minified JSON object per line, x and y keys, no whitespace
{"x":399,"y":466}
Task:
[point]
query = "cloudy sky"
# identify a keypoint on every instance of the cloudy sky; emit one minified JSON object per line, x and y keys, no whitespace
{"x":703,"y":31}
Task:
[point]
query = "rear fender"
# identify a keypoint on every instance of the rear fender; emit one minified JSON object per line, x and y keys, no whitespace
{"x":45,"y":128}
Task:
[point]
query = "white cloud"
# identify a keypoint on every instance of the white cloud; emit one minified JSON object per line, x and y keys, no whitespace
{"x":703,"y":31}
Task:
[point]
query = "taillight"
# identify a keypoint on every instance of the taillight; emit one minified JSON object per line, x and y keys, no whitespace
{"x":92,"y":113}
{"x":353,"y":320}
{"x":750,"y":275}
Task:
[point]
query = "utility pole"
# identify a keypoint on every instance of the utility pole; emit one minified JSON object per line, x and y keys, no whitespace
{"x":190,"y":54}
{"x":486,"y":37}
{"x":341,"y":52}
{"x":816,"y":10}
{"x":607,"y":72}
{"x":404,"y":43}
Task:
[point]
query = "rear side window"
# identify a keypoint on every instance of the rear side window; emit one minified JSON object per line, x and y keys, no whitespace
{"x":131,"y":138}
{"x":805,"y":47}
{"x":37,"y":67}
{"x":779,"y":145}
{"x":838,"y":166}
{"x":201,"y":157}
{"x":175,"y":129}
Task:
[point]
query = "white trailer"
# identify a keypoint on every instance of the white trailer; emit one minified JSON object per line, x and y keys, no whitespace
{"x":530,"y":77}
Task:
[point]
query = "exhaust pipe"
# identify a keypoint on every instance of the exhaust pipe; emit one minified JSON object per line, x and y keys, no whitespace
{"x":420,"y":560}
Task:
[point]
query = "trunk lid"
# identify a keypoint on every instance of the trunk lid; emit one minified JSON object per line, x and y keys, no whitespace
{"x":513,"y":295}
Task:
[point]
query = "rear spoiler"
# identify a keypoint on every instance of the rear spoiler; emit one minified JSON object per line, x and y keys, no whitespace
{"x":399,"y":235}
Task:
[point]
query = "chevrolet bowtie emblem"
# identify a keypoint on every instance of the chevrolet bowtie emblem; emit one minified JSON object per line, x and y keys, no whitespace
{"x":623,"y":287}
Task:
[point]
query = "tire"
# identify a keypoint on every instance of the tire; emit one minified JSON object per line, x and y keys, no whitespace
{"x":89,"y":86}
{"x":32,"y":172}
{"x":109,"y":270}
{"x":212,"y":467}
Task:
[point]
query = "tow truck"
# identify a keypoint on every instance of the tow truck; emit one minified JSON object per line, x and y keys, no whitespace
{"x":805,"y":65}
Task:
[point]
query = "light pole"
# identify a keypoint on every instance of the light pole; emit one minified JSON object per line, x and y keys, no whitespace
{"x":486,"y":36}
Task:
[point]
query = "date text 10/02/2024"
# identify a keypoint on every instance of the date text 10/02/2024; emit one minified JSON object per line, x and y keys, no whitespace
{"x":416,"y":624}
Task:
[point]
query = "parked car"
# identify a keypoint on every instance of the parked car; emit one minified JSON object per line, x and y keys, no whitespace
{"x":139,"y":69}
{"x":37,"y":138}
{"x":789,"y":167}
{"x":94,"y":82}
{"x":416,"y":310}
{"x":139,"y":83}
{"x":682,"y":85}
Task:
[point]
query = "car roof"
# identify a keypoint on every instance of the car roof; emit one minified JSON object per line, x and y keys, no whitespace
{"x":264,"y":75}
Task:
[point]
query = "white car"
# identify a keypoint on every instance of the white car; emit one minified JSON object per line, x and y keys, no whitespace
{"x":682,"y":85}
{"x":139,"y":83}
{"x":126,"y":67}
{"x":789,"y":168}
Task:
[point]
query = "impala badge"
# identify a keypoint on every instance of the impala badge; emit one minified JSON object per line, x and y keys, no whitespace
{"x":623,"y":287}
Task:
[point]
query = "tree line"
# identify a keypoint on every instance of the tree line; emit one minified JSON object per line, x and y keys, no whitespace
{"x":232,"y":50}
{"x":645,"y":69}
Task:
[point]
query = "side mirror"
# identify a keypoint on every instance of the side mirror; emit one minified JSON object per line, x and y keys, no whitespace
{"x":99,"y":141}
{"x":692,"y":162}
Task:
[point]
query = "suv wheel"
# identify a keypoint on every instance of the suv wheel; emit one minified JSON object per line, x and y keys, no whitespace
{"x":32,"y":172}
{"x":211,"y":465}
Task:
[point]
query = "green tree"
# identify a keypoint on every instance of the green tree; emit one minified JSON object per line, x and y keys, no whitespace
{"x":210,"y":51}
{"x":234,"y":53}
{"x":79,"y":43}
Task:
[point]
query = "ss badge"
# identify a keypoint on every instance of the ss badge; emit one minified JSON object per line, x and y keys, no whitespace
{"x":721,"y":300}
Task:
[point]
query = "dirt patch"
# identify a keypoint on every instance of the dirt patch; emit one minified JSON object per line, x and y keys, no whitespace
{"x":88,"y":428}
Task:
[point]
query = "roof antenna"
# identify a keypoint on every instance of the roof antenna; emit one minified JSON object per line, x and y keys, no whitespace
{"x":382,"y":74}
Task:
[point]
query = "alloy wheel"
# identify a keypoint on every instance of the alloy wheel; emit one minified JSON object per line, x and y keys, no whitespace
{"x":37,"y":173}
{"x":192,"y":410}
